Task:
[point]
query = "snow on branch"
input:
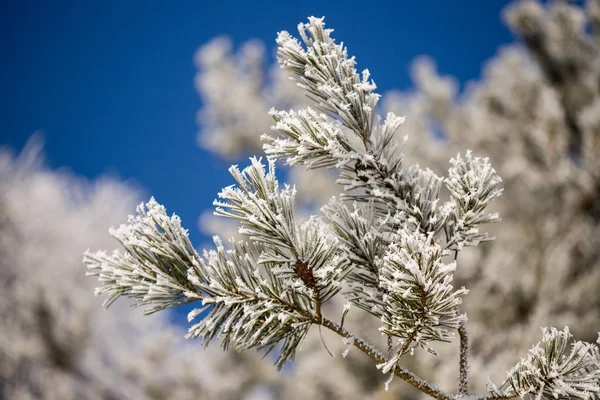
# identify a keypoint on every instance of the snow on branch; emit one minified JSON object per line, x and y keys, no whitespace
{"x":549,"y":371}
{"x":329,"y":76}
{"x":265,"y":212}
{"x":365,"y":239}
{"x":420,"y":304}
{"x":306,"y":252}
{"x":473,"y":184}
{"x":153,"y":267}
{"x":307,"y":138}
{"x":248,"y":306}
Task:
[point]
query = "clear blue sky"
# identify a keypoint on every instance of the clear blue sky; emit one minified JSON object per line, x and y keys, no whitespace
{"x":110,"y":83}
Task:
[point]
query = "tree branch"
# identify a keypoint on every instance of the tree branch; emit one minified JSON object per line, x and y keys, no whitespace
{"x":376,"y":356}
{"x":463,"y":384}
{"x":488,"y":396}
{"x":406,"y":375}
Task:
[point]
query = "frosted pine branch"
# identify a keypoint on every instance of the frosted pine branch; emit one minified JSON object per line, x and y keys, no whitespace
{"x":386,"y":241}
{"x":248,"y":305}
{"x":329,"y":76}
{"x":420,"y":304}
{"x":265,"y":212}
{"x":306,"y":253}
{"x":307,"y":138}
{"x":154,"y":265}
{"x":473,"y":184}
{"x":325,"y":72}
{"x":366,"y":238}
{"x":549,"y":371}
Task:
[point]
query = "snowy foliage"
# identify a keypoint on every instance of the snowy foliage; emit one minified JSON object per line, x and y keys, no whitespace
{"x":153,"y":269}
{"x":549,"y":372}
{"x":419,"y":304}
{"x":307,"y":138}
{"x":387,"y":240}
{"x":247,"y":308}
{"x":473,"y":184}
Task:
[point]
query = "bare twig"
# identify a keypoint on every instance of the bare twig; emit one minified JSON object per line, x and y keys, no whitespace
{"x":376,"y":356}
{"x":463,"y":384}
{"x":406,"y":375}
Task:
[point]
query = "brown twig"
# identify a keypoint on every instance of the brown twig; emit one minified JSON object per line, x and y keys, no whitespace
{"x":463,"y":383}
{"x":376,"y":356}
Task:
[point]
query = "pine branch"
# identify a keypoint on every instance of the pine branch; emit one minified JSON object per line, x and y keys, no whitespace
{"x":307,"y":138}
{"x":153,"y":269}
{"x":406,"y":196}
{"x":326,"y":72}
{"x":305,"y":253}
{"x":549,"y":372}
{"x":366,"y":240}
{"x":249,"y":306}
{"x":420,"y":305}
{"x":386,"y":250}
{"x":328,"y":75}
{"x":473,"y":185}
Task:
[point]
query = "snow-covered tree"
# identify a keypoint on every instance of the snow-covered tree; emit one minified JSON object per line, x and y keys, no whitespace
{"x":388,"y":244}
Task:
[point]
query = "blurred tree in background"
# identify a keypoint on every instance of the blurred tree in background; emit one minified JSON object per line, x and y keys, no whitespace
{"x":55,"y":340}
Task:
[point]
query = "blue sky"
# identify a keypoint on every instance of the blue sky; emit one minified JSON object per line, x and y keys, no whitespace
{"x":111,"y":83}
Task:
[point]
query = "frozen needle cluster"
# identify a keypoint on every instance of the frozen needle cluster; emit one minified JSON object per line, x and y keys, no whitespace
{"x":389,"y":244}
